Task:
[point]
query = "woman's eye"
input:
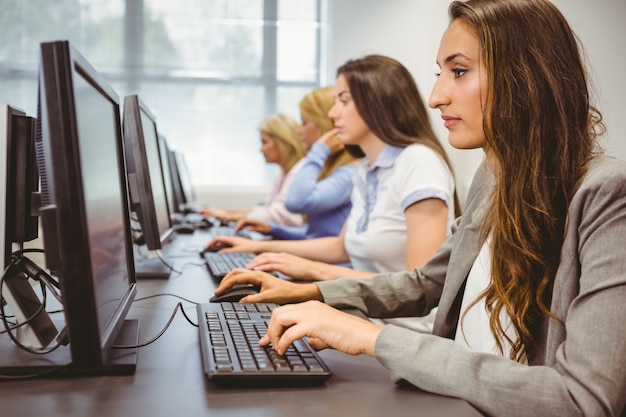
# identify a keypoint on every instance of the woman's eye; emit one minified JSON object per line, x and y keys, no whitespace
{"x":458,"y":72}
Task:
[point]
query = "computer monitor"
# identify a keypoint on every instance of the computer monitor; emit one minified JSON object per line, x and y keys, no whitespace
{"x":147,"y":188}
{"x":177,"y":189}
{"x":188,"y":194}
{"x":164,"y":152}
{"x":23,"y":313}
{"x":85,"y":215}
{"x":145,"y":173}
{"x":19,"y":180}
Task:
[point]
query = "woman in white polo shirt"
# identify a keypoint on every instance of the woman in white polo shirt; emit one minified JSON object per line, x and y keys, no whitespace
{"x":403,"y":201}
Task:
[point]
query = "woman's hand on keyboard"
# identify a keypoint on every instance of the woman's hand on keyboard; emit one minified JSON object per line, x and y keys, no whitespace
{"x":325,"y":326}
{"x":272,"y":289}
{"x":293,"y":266}
{"x":233,"y":244}
{"x":254,"y":226}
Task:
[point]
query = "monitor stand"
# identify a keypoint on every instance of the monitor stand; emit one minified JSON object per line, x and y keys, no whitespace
{"x":150,"y":267}
{"x":16,"y":363}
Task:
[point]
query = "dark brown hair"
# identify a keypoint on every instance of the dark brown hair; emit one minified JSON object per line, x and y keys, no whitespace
{"x":388,"y":100}
{"x":540,"y":133}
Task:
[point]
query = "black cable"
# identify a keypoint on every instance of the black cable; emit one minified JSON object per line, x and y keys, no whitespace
{"x":188,"y":264}
{"x":166,"y":294}
{"x":45,"y":281}
{"x":9,"y":329}
{"x":28,"y":267}
{"x":179,"y":305}
{"x":170,"y":267}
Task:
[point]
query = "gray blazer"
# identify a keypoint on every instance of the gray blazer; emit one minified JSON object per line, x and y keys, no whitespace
{"x":579,"y":368}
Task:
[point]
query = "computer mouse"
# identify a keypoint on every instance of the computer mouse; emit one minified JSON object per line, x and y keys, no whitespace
{"x":216,"y":247}
{"x":204,"y":224}
{"x":184,"y":228}
{"x":236,"y":293}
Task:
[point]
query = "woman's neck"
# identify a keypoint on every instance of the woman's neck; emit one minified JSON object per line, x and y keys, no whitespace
{"x":372,"y":147}
{"x":284,"y":168}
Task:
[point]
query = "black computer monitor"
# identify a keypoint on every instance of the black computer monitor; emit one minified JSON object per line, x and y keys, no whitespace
{"x":147,"y":188}
{"x":85,"y":212}
{"x":19,"y":180}
{"x":164,"y":151}
{"x":23,"y":313}
{"x":145,"y":173}
{"x":177,"y":189}
{"x":188,"y":194}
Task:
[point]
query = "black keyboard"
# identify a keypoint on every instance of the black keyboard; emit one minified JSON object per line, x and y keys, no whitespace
{"x":232,"y":357}
{"x":221,"y":263}
{"x":230,"y":231}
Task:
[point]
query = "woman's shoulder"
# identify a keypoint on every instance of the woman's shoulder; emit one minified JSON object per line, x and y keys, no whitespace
{"x":420,"y":157}
{"x":604,"y":183}
{"x":607,"y":171}
{"x":418,"y":148}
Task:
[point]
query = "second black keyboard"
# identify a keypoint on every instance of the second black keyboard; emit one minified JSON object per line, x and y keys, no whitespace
{"x":232,"y":357}
{"x":221,"y":263}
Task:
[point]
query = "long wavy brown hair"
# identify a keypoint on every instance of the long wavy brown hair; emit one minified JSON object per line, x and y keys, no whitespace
{"x":389,"y":102}
{"x":541,"y":134}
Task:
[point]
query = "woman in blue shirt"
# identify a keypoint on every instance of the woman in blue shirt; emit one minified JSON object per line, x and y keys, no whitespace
{"x":321,"y":189}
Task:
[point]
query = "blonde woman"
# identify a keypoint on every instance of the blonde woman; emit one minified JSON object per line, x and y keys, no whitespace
{"x":281,"y":145}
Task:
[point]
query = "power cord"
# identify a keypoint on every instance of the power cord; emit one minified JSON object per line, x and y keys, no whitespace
{"x":170,"y":267}
{"x":46,"y":282}
{"x":24,"y":268}
{"x":179,"y":306}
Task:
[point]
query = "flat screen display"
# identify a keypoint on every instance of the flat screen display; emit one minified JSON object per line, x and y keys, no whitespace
{"x":104,"y":204}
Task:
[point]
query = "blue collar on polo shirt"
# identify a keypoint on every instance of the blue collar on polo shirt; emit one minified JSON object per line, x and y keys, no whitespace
{"x":369,"y":189}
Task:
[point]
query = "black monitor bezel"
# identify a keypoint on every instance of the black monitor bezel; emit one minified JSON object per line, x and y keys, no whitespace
{"x":21,"y":180}
{"x":179,"y":198}
{"x":168,"y":175}
{"x":142,"y":197}
{"x":63,"y":214}
{"x":184,"y":178}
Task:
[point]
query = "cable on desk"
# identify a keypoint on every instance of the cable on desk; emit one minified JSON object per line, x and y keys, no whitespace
{"x":170,"y":267}
{"x":187,"y":264}
{"x":166,"y":294}
{"x":179,"y":305}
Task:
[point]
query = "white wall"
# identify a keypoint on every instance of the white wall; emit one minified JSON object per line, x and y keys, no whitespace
{"x":409,"y":31}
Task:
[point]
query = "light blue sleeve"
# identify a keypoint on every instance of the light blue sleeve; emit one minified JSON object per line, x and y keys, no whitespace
{"x":280,"y":232}
{"x":308,"y":195}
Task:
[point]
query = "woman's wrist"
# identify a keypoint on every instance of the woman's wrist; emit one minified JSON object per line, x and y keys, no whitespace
{"x":320,"y":271}
{"x":308,"y":292}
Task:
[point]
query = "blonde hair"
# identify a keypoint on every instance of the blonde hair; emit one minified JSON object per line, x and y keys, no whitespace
{"x":284,"y":130}
{"x":315,"y":106}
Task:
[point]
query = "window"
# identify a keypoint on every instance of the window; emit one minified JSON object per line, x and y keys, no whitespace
{"x":209,"y":70}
